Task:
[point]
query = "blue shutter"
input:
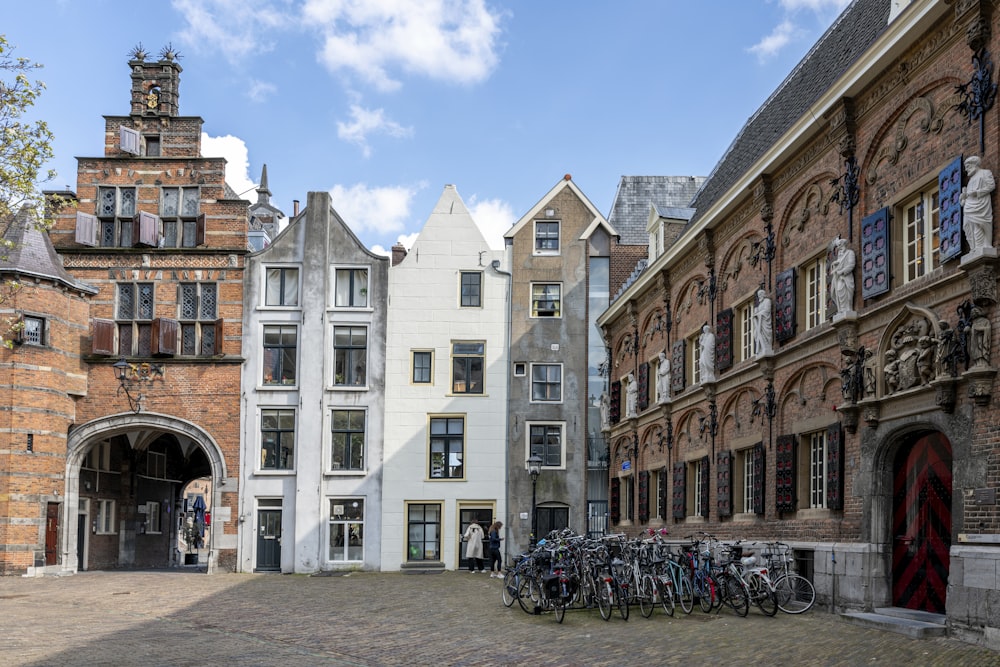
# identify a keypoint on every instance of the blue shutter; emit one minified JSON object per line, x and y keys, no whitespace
{"x":677,"y":365}
{"x":758,"y":478}
{"x":950,"y":210}
{"x":615,"y":413}
{"x":784,"y":473}
{"x":784,"y":305}
{"x":706,"y":484}
{"x":723,"y":483}
{"x":875,"y":254}
{"x":835,"y":467}
{"x":679,"y":499}
{"x":724,"y":339}
{"x":642,"y":400}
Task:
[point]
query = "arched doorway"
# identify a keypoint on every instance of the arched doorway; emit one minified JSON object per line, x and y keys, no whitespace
{"x":124,"y":480}
{"x":921,"y":522}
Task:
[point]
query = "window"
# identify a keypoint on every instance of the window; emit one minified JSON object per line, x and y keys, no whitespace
{"x":551,"y":518}
{"x":116,"y":210}
{"x":277,"y":438}
{"x":32,"y":330}
{"x":423,"y":531}
{"x":472,"y":289}
{"x":152,"y":142}
{"x":350,"y":352}
{"x":447,"y":447}
{"x":746,"y":330}
{"x":546,"y":382}
{"x":156,"y":464}
{"x":467,"y":362}
{"x":105,"y":520}
{"x":814,"y":451}
{"x":183,"y":223}
{"x":352,"y":288}
{"x":280,"y":353}
{"x":153,"y":517}
{"x":694,"y":368}
{"x":545,"y":300}
{"x":628,"y":498}
{"x":546,"y":441}
{"x":546,"y":238}
{"x":695,"y":488}
{"x":520,"y":369}
{"x":348,"y":440}
{"x":920,"y":236}
{"x":201,"y":331}
{"x":347,"y":529}
{"x":135,"y":314}
{"x":281,"y":287}
{"x":422,"y":366}
{"x":814,"y":277}
{"x":99,"y":457}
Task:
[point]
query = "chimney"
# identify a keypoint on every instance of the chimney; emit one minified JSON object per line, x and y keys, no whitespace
{"x":295,"y":207}
{"x":398,"y":253}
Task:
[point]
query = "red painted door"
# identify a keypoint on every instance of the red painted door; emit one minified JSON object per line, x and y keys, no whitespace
{"x":51,"y":533}
{"x":921,"y":525}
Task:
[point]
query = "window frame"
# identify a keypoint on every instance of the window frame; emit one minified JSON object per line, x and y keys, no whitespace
{"x":32,"y":334}
{"x":135,"y":328}
{"x":475,"y":300}
{"x":289,"y":458}
{"x":349,"y":431}
{"x":154,"y":526}
{"x":529,"y":449}
{"x":693,"y":359}
{"x":104,"y":517}
{"x":115,"y":229}
{"x":812,"y":470}
{"x":348,"y":522}
{"x":346,"y":357}
{"x":278,"y":380}
{"x":814,"y":292}
{"x":746,"y":346}
{"x":693,"y":491}
{"x":546,"y":383}
{"x":414,"y":366}
{"x":537,"y":297}
{"x":920,"y":252}
{"x":186,"y":229}
{"x":204,"y":330}
{"x":354,"y":291}
{"x":447,"y":437}
{"x":467,"y":360}
{"x":437,"y":540}
{"x":543,"y":238}
{"x":282,"y":275}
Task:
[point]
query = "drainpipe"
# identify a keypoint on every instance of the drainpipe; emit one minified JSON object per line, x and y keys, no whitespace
{"x":495,"y":265}
{"x":833,"y":576}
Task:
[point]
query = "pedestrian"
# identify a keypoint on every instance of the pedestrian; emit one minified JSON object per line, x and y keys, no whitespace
{"x":473,"y":539}
{"x":495,"y":558}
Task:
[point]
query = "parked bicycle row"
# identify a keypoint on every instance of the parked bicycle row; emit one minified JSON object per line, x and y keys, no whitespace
{"x":569,"y":571}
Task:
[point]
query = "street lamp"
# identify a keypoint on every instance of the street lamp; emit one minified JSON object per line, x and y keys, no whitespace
{"x":534,"y":468}
{"x":134,"y":376}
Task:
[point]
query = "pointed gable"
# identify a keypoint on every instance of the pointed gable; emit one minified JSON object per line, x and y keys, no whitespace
{"x":536,"y":210}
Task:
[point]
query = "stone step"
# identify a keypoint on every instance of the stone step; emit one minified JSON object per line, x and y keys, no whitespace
{"x":909,"y":622}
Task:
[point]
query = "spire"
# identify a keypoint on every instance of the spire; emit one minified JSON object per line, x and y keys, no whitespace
{"x":263,"y":194}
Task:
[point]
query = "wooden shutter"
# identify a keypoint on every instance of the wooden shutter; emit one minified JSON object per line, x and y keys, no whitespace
{"x":103,"y":342}
{"x":614,"y":501}
{"x":146,"y":230}
{"x":615,"y":413}
{"x":835,"y":467}
{"x":950,"y":210}
{"x":784,"y":305}
{"x":199,"y":230}
{"x":164,"y":337}
{"x":662,"y":491}
{"x":678,"y":492}
{"x":706,"y":484}
{"x":759,"y":473}
{"x":217,"y":328}
{"x":785,"y":473}
{"x":677,"y":366}
{"x":875,"y":254}
{"x":128,"y":140}
{"x":724,"y":339}
{"x":642,"y":401}
{"x":86,"y":229}
{"x":723,"y":483}
{"x":643,"y":496}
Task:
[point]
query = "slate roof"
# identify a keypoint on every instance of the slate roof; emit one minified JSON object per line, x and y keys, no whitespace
{"x":843,"y":43}
{"x":630,"y":210}
{"x":32,"y":254}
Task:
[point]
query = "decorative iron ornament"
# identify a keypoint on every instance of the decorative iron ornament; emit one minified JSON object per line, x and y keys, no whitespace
{"x":846,"y":192}
{"x":979,"y":94}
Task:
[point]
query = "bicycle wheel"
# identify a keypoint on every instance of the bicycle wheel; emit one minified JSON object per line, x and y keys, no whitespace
{"x":795,"y":594}
{"x":762,"y":594}
{"x":703,"y":590}
{"x":560,"y":610}
{"x":509,"y":592}
{"x":527,"y":594}
{"x":735,"y":595}
{"x":621,"y":597}
{"x":604,"y":598}
{"x":685,"y":595}
{"x":663,"y":588}
{"x":644,"y":592}
{"x":587,"y":593}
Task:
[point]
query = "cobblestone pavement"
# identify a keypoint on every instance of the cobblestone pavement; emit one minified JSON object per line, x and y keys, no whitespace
{"x":453,"y":618}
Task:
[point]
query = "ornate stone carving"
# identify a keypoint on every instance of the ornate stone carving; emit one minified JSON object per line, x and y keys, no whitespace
{"x":908,"y":359}
{"x":982,"y":282}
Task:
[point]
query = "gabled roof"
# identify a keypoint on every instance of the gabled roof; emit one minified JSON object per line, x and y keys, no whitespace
{"x":566,"y":182}
{"x":32,"y":253}
{"x":630,"y":209}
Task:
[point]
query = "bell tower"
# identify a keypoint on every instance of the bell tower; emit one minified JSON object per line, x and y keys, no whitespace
{"x":155,"y":85}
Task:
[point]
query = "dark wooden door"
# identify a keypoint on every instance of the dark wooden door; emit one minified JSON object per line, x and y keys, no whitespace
{"x":52,"y":534}
{"x":268,"y":540}
{"x":485,"y":517}
{"x":921,"y":525}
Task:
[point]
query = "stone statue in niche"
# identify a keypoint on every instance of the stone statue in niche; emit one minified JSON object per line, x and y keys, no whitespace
{"x":977,"y":208}
{"x":706,"y":359}
{"x":762,"y":323}
{"x":979,"y":339}
{"x":631,"y":396}
{"x":946,"y":361}
{"x":663,"y":378}
{"x":869,"y":369}
{"x":891,"y":372}
{"x":605,"y":411}
{"x":926,"y":347}
{"x":842,"y":275}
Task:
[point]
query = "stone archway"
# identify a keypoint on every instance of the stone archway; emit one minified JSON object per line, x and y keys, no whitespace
{"x":137,"y":430}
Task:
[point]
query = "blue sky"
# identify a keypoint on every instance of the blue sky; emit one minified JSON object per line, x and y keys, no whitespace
{"x":384,"y":102}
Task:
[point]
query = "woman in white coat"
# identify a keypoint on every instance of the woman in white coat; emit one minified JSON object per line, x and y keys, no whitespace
{"x":473,"y":539}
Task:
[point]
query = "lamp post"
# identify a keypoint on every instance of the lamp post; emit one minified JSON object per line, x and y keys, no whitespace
{"x":131,"y":376}
{"x":534,"y":468}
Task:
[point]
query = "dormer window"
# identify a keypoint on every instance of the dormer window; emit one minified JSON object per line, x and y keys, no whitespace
{"x":546,"y":238}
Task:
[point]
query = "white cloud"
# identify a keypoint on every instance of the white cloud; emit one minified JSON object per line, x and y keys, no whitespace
{"x":406,"y":240}
{"x":450,"y":40}
{"x":234,"y":150}
{"x":493,"y":217}
{"x":260,"y":91}
{"x":382,"y":210}
{"x":234,"y":28}
{"x":778,"y":39}
{"x":366,"y":122}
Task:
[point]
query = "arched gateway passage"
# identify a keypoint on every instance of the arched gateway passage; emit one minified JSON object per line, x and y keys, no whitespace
{"x":124,"y":480}
{"x":921,"y":522}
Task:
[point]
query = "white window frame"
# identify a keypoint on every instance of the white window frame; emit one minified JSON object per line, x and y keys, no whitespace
{"x":153,"y":523}
{"x":546,"y":383}
{"x":746,"y":330}
{"x":562,"y":442}
{"x":694,"y":358}
{"x":347,"y":523}
{"x":745,"y":458}
{"x":815,"y":446}
{"x":259,"y":464}
{"x":814,"y":293}
{"x":282,"y":287}
{"x":540,"y":297}
{"x":694,"y":488}
{"x":536,"y":239}
{"x":364,"y":441}
{"x":278,"y":383}
{"x":344,"y":382}
{"x":920,"y":222}
{"x":361,"y":293}
{"x":105,"y":517}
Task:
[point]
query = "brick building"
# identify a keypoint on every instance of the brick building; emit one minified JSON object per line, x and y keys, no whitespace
{"x":161,"y":237}
{"x":820,"y":334}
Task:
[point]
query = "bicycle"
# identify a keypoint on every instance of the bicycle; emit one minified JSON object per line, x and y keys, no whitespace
{"x":699,"y":562}
{"x":612,"y":583}
{"x":759,"y":586}
{"x":795,"y":593}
